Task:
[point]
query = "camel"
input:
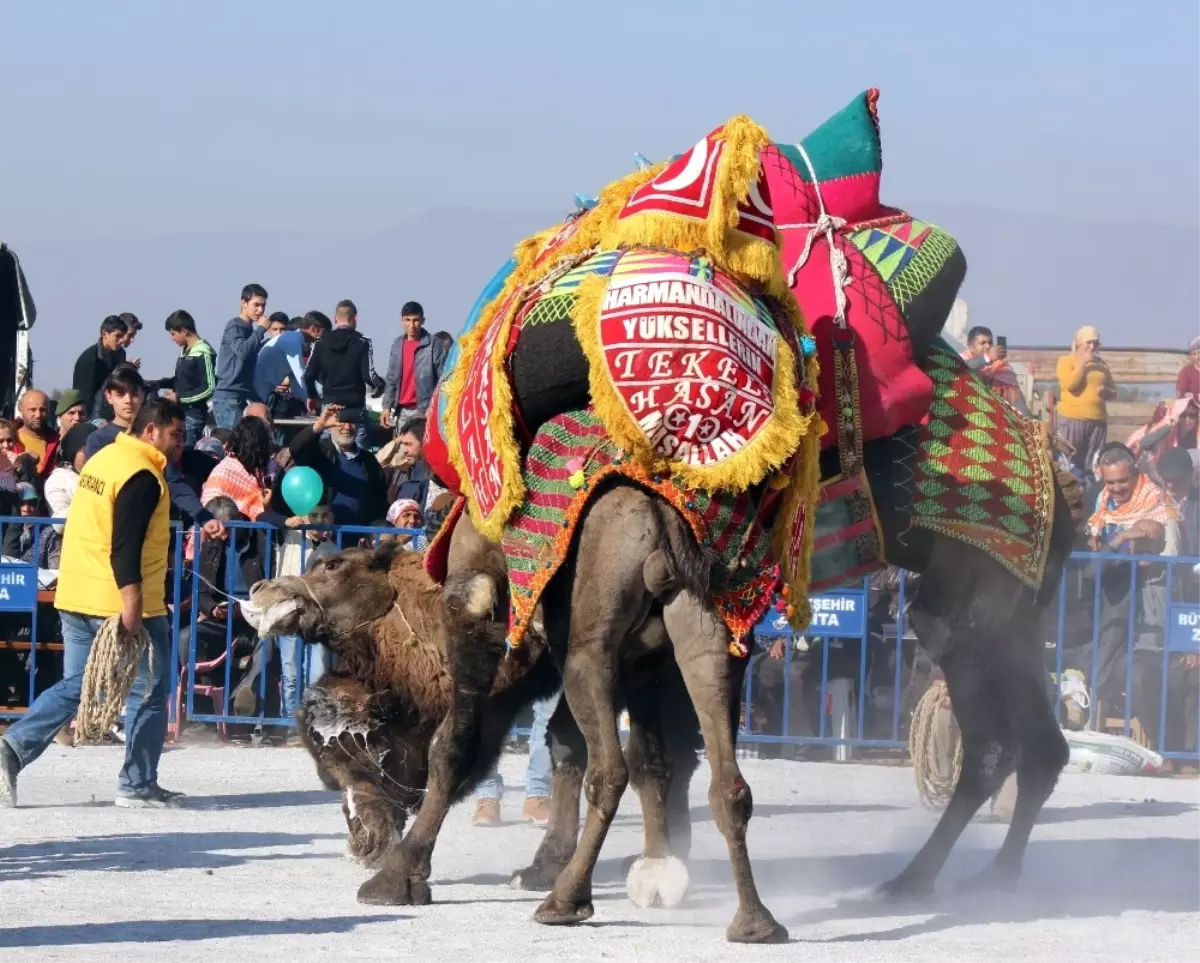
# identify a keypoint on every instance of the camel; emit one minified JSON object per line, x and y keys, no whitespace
{"x":636,"y":591}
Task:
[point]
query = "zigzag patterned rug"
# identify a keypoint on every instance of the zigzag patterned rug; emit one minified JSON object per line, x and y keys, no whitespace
{"x":982,"y":472}
{"x":570,"y":456}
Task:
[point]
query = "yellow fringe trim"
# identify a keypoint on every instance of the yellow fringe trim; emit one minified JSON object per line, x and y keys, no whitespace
{"x":587,"y":236}
{"x":733,"y":251}
{"x":772,"y":444}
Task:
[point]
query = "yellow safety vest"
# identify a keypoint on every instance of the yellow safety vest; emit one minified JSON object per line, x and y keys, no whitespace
{"x":86,"y":583}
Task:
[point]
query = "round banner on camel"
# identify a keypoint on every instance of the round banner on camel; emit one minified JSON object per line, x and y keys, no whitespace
{"x":691,"y":354}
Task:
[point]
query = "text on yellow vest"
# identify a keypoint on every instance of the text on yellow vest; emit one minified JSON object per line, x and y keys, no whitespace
{"x":86,"y":583}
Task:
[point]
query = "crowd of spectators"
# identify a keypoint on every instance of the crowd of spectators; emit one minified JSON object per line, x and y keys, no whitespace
{"x":266,"y":369}
{"x":1141,"y":496}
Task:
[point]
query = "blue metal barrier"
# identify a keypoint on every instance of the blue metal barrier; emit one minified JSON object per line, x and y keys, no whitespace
{"x":839,"y":618}
{"x":267,"y":656}
{"x":1142,"y":657}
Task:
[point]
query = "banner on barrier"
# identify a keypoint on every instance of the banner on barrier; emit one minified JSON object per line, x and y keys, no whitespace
{"x":18,"y":587}
{"x":1183,"y":629}
{"x":838,"y":615}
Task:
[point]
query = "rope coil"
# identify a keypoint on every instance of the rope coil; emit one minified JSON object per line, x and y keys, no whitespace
{"x":935,"y":746}
{"x":108,"y":678}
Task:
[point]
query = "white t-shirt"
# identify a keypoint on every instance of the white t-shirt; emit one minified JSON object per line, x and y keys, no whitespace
{"x":59,"y":491}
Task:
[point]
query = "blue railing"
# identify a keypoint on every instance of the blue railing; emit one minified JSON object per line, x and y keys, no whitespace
{"x":1129,"y":624}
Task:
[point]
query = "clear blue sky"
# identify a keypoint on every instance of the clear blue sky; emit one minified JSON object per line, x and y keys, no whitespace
{"x":167,"y":117}
{"x":128,"y":119}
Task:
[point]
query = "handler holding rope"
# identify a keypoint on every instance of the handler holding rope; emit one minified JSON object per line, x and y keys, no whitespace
{"x":112,"y":584}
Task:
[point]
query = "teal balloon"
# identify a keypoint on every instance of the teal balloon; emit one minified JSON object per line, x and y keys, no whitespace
{"x":302,"y":488}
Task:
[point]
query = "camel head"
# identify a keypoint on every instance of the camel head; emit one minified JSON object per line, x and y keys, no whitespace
{"x":344,"y":598}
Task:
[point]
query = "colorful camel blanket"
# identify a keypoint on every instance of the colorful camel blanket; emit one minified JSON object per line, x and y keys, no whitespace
{"x":981,"y":472}
{"x":901,"y":273}
{"x":570,"y":458}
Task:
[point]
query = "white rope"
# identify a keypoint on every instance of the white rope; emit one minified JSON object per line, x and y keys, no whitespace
{"x":825,"y":226}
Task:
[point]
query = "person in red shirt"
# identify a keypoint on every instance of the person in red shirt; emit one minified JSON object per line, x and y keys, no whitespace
{"x":1187,"y":385}
{"x":414,"y":367}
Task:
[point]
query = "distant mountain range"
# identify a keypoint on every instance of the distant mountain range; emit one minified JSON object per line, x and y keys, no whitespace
{"x":1032,"y":278}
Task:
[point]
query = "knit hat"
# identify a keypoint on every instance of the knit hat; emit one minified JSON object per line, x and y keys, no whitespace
{"x":398,"y":507}
{"x":66,"y":401}
{"x":74,"y":440}
{"x":1194,"y":345}
{"x":1084,"y":335}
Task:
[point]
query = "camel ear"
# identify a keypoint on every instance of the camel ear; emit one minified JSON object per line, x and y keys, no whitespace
{"x":384,"y":555}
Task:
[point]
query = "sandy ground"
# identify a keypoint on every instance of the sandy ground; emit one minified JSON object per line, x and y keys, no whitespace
{"x":253,"y":870}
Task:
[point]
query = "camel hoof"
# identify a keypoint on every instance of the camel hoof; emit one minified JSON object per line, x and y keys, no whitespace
{"x":390,"y":889}
{"x":658,"y":881}
{"x":759,"y":927}
{"x":904,"y":888}
{"x":538,"y":878}
{"x":557,"y":912}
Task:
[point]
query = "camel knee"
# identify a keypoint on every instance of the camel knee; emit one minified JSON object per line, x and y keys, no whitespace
{"x":986,"y":765}
{"x":372,"y":822}
{"x":732,"y":804}
{"x":1044,"y":755}
{"x":604,"y":786}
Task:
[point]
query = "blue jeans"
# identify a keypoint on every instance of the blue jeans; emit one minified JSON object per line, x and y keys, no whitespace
{"x":145,"y":709}
{"x":292,"y":658}
{"x":227,"y":409}
{"x":194,"y":417}
{"x":538,"y":771}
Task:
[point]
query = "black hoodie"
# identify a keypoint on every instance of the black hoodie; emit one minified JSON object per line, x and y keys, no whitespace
{"x":342,"y":362}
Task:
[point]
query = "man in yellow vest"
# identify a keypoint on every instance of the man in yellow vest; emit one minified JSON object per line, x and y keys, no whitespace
{"x":114,"y":562}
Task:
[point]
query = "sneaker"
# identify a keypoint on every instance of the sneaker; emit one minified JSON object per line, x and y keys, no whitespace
{"x":10,"y":765}
{"x":156,"y":798}
{"x":487,"y":813}
{"x":537,"y":810}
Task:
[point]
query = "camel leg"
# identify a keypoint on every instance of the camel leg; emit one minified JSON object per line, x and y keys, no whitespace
{"x":701,"y":642}
{"x":594,"y":633}
{"x":681,"y":741}
{"x":1042,"y":752}
{"x":569,"y":753}
{"x":374,"y":821}
{"x":403,"y":876}
{"x":988,"y":754}
{"x":658,"y":876}
{"x":351,"y":752}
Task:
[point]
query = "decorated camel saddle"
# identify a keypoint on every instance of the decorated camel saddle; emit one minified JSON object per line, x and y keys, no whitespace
{"x":704,"y":328}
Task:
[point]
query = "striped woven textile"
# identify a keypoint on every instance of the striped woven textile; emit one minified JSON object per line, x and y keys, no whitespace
{"x":570,"y":455}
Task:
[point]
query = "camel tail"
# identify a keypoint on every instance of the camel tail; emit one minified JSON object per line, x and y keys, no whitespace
{"x":691,"y":565}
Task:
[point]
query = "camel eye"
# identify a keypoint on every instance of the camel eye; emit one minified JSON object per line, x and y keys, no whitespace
{"x":333,"y":565}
